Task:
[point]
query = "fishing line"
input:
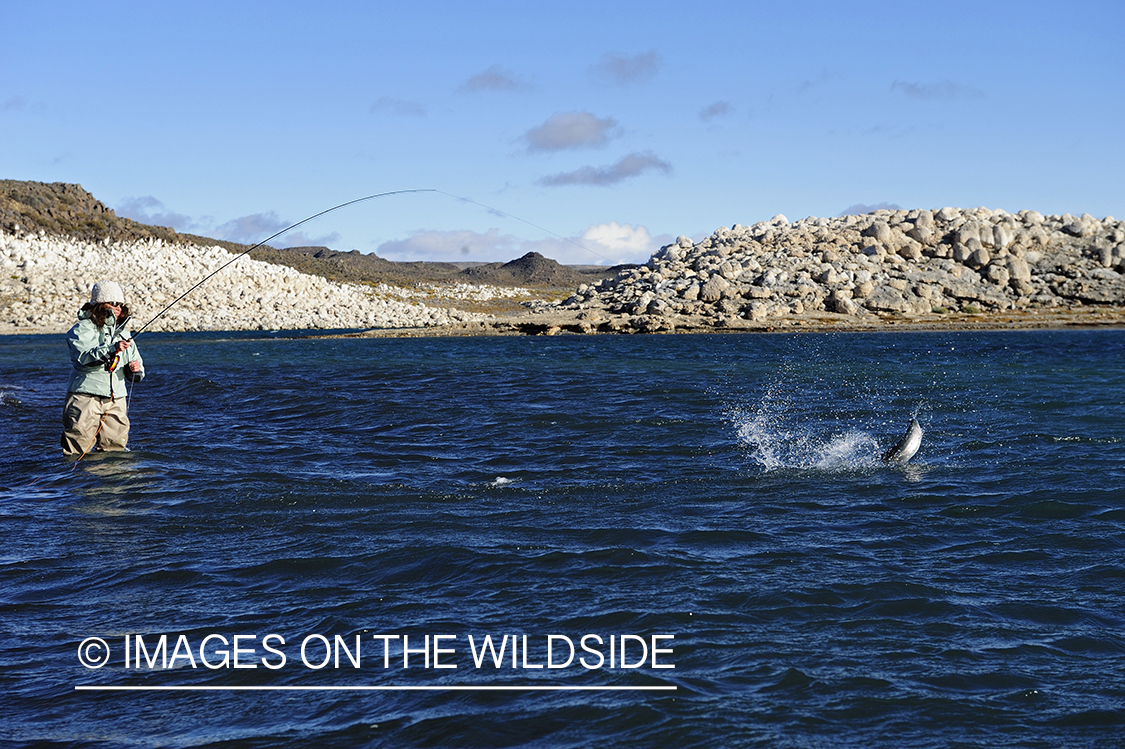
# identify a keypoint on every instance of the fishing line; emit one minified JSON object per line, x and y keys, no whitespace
{"x":267,"y":239}
{"x":517,"y":218}
{"x":208,"y":277}
{"x":215,"y":272}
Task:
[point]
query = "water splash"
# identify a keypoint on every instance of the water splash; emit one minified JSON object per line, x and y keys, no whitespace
{"x":812,"y":414}
{"x":773,"y":443}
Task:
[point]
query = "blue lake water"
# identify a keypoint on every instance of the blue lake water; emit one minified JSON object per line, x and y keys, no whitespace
{"x":712,"y":503}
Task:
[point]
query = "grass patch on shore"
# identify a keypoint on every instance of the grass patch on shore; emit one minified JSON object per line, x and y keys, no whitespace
{"x":498,"y":305}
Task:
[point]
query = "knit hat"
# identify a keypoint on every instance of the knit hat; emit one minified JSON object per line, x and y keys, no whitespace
{"x":107,"y":292}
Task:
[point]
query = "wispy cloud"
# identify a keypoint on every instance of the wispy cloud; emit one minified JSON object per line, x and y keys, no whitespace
{"x":810,"y":84}
{"x":149,"y":210}
{"x":449,"y":246}
{"x":13,"y":103}
{"x":627,"y":70}
{"x":861,"y":208}
{"x":495,"y":78}
{"x":571,"y":130}
{"x":249,"y":229}
{"x":257,"y":227}
{"x":399,"y":107}
{"x":303,"y":239}
{"x":632,"y":165}
{"x":890,"y":132}
{"x":716,"y":109}
{"x":940,"y":91}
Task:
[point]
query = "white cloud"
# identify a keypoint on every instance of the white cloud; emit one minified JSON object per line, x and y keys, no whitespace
{"x":601,"y":244}
{"x":631,"y":165}
{"x":571,"y":130}
{"x":620,"y":238}
{"x":605,"y":244}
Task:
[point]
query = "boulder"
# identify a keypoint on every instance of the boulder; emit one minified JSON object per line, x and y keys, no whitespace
{"x":910,"y":251}
{"x":712,"y":291}
{"x":921,"y":233}
{"x":1076,"y":228}
{"x":887,"y":299}
{"x":841,"y":302}
{"x":997,"y":273}
{"x":978,"y":259}
{"x":962,"y":251}
{"x":880,"y":231}
{"x":1018,"y":268}
{"x":1002,"y":236}
{"x":730,"y":271}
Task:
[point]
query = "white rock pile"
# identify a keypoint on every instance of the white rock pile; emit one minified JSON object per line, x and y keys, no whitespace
{"x":918,"y":262}
{"x":45,"y":280}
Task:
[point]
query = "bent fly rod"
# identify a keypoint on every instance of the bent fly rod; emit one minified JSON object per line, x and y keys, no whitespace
{"x":345,"y":205}
{"x":269,"y":238}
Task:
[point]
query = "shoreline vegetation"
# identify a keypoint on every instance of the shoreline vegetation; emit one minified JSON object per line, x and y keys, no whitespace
{"x":917,"y":269}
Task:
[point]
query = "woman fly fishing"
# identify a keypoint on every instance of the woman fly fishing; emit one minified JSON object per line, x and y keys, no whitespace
{"x":103,"y":358}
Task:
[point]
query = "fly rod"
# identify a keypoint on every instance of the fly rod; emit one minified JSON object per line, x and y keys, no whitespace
{"x":269,"y":238}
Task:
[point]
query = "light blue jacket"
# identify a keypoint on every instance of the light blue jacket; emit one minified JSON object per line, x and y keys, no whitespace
{"x":91,"y":351}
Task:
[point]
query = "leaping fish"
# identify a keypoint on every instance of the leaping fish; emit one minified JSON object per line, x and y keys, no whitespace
{"x":905,"y":448}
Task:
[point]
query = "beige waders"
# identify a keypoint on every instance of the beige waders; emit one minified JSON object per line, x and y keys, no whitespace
{"x":93,"y":418}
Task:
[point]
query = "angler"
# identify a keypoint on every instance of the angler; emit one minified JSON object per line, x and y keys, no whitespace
{"x":103,"y":357}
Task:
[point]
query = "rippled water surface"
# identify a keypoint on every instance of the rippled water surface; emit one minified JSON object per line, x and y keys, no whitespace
{"x":724,"y":490}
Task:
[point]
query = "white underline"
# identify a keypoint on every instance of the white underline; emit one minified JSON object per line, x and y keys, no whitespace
{"x":391,"y":688}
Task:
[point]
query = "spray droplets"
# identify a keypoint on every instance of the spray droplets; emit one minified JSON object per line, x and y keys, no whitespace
{"x":774,"y":440}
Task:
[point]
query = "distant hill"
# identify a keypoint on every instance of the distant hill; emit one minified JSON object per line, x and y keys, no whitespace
{"x":69,"y":210}
{"x":532,"y":269}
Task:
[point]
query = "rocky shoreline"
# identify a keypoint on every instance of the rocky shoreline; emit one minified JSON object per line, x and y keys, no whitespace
{"x":887,"y":266}
{"x":918,"y":269}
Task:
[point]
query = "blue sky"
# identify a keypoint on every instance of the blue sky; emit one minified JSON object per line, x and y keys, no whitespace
{"x":614,"y":126}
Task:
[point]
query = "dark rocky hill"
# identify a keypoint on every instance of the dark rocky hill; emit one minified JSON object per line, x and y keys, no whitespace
{"x":68,"y":210}
{"x":535,"y":270}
